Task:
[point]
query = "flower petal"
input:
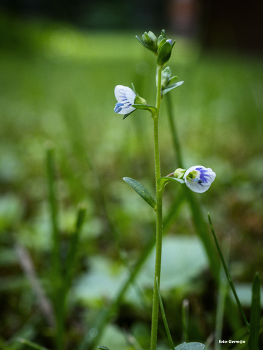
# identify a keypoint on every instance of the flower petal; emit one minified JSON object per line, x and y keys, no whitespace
{"x":201,"y":178}
{"x":125,"y":97}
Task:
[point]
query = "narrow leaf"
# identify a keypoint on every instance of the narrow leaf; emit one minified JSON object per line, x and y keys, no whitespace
{"x":255,"y":315}
{"x":141,"y":190}
{"x":140,"y":40}
{"x":185,"y":317}
{"x":164,"y":318}
{"x":190,"y":346}
{"x":71,"y":257}
{"x":31,"y":344}
{"x":171,"y":87}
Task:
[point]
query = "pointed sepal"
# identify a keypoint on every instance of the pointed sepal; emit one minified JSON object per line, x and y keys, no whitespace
{"x":171,"y":87}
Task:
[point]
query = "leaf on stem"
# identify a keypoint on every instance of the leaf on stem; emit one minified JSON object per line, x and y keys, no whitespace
{"x":141,"y":190}
{"x":171,"y":87}
{"x":255,"y":315}
{"x":190,"y":346}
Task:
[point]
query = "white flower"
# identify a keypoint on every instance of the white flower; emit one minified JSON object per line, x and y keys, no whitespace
{"x":199,"y":178}
{"x":125,"y":97}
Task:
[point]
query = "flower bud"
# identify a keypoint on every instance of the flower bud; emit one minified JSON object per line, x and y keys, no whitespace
{"x":139,"y":100}
{"x":179,"y":173}
{"x":164,"y":52}
{"x":150,"y":40}
{"x":166,"y":75}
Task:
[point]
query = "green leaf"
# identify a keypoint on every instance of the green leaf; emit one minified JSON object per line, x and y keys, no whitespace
{"x":103,"y":347}
{"x":164,"y":53}
{"x":254,"y":315}
{"x":172,"y":80}
{"x":144,"y":44}
{"x":190,"y":346}
{"x":171,"y":87}
{"x":141,"y":190}
{"x":151,"y":109}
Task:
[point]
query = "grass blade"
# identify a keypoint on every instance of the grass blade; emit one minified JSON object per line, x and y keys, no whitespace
{"x":223,"y":288}
{"x":185,"y":318}
{"x":255,"y":315}
{"x":228,"y":274}
{"x":164,"y":318}
{"x":54,"y":213}
{"x":71,"y":257}
{"x":31,"y":344}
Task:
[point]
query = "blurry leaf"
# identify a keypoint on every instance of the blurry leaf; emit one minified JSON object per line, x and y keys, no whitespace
{"x":190,"y":346}
{"x":141,"y":190}
{"x":13,"y":282}
{"x":102,"y":347}
{"x":7,"y":257}
{"x":31,"y":344}
{"x":245,"y":295}
{"x":11,"y":210}
{"x":102,"y":282}
{"x":114,"y":338}
{"x":255,"y":315}
{"x":183,"y":258}
{"x":171,"y":87}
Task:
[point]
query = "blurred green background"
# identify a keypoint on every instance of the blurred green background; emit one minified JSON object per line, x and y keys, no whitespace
{"x":58,"y":72}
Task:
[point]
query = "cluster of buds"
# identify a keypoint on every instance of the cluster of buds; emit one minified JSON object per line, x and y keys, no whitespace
{"x":160,"y":46}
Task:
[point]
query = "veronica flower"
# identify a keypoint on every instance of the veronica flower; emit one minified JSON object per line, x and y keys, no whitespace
{"x":199,"y":178}
{"x":125,"y":97}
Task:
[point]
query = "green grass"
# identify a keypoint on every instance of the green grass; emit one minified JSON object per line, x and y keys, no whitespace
{"x":57,"y":85}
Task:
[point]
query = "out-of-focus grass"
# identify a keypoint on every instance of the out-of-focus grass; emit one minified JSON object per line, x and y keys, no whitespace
{"x":57,"y":84}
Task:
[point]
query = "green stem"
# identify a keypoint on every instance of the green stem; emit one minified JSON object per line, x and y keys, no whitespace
{"x":159,"y":224}
{"x":176,"y":143}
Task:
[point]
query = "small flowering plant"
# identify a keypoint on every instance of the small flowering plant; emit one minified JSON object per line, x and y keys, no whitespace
{"x":197,"y":178}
